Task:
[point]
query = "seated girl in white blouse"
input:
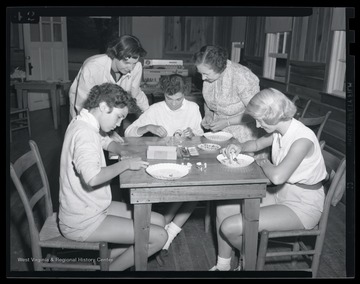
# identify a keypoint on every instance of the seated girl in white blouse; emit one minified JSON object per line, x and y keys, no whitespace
{"x":174,"y":113}
{"x":296,"y":170}
{"x":163,"y":119}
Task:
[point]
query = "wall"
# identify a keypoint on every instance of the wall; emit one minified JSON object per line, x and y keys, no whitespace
{"x":150,"y":31}
{"x":238,"y":29}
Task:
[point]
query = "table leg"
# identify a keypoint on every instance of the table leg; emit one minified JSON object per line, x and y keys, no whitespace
{"x":142,"y":228}
{"x":58,"y":95}
{"x":19,"y":98}
{"x":22,"y":100}
{"x":251,"y":208}
{"x":54,"y":107}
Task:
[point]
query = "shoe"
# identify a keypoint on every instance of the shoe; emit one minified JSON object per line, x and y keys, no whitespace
{"x":160,"y":257}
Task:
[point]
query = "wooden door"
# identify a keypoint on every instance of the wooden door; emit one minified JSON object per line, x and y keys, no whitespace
{"x":45,"y":45}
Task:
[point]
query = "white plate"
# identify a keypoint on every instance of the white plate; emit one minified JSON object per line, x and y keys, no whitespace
{"x":209,"y":147}
{"x":167,"y":171}
{"x":218,"y":136}
{"x":242,"y":161}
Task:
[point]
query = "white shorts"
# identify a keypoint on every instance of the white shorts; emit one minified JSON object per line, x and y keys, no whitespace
{"x":306,"y":203}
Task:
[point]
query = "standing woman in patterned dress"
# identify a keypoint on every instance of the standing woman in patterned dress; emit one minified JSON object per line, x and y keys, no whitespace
{"x":227,"y":89}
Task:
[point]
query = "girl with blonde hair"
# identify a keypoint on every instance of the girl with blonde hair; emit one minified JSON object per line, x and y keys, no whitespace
{"x":296,"y":196}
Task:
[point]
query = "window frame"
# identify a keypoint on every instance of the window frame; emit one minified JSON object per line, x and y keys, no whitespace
{"x":272,"y":53}
{"x":336,"y":79}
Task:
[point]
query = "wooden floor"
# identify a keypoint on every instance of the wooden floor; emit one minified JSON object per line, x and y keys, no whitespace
{"x":192,"y":250}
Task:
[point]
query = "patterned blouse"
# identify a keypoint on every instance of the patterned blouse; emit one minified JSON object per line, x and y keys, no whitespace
{"x":229,"y":95}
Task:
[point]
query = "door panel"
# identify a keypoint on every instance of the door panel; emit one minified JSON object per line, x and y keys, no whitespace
{"x":45,"y":47}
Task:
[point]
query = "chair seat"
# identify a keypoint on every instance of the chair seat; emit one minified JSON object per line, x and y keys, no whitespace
{"x":50,"y":236}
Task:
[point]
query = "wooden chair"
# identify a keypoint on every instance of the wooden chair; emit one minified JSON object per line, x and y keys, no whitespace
{"x":36,"y":199}
{"x":334,"y":188}
{"x":304,"y":110}
{"x":19,"y":119}
{"x":316,"y":123}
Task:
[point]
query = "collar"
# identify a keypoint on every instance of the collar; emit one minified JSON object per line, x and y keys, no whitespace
{"x":86,"y":116}
{"x":280,"y":138}
{"x":183,"y":106}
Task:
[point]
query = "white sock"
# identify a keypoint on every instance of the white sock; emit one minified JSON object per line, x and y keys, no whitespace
{"x":223,"y":264}
{"x":172,"y":230}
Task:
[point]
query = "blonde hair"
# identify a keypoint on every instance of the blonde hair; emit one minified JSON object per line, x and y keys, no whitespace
{"x":271,"y":106}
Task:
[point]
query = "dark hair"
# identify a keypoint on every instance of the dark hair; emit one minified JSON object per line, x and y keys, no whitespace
{"x":125,"y":47}
{"x":113,"y":95}
{"x":212,"y":55}
{"x":172,"y":84}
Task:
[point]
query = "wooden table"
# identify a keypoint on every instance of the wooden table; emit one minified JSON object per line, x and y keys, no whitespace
{"x":54,"y":88}
{"x":217,"y":182}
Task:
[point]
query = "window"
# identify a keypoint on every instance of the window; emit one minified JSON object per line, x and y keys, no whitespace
{"x":276,"y":54}
{"x":336,"y":75}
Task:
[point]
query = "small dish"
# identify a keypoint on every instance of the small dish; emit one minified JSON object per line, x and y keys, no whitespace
{"x":209,"y":146}
{"x":240,"y":162}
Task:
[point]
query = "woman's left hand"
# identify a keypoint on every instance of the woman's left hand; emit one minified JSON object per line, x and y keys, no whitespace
{"x":218,"y":125}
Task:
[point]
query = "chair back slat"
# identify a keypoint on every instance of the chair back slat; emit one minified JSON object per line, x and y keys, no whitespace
{"x":36,"y":197}
{"x":34,"y":232}
{"x":316,"y":123}
{"x":23,"y":163}
{"x":339,"y":190}
{"x":311,"y":121}
{"x":305,"y":108}
{"x":335,"y":183}
{"x":44,"y":179}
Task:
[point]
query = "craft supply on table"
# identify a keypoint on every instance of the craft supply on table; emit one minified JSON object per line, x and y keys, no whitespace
{"x":161,"y":152}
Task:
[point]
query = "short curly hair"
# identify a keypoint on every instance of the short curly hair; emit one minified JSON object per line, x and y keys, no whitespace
{"x":271,"y":106}
{"x":174,"y":83}
{"x":113,"y":95}
{"x":213,"y":56}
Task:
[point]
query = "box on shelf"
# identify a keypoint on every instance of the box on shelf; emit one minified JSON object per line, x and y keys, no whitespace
{"x":161,"y":152}
{"x":153,"y":75}
{"x":165,"y":62}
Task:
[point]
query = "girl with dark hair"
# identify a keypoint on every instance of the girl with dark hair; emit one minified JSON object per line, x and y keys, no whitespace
{"x":119,"y":65}
{"x":173,"y":115}
{"x":87,"y":211}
